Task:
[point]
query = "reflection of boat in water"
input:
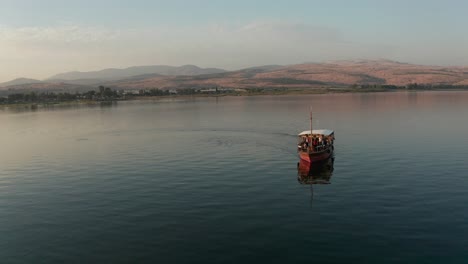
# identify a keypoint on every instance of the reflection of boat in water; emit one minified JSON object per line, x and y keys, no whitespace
{"x":315,"y":173}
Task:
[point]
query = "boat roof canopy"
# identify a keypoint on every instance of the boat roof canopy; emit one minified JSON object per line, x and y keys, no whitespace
{"x":325,"y":132}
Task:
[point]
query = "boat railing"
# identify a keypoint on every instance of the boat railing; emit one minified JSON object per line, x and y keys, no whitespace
{"x":304,"y":145}
{"x":314,"y":149}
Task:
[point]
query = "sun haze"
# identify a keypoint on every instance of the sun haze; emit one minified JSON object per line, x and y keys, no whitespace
{"x":43,"y":38}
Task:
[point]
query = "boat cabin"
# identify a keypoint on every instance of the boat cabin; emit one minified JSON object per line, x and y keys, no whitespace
{"x":317,"y":140}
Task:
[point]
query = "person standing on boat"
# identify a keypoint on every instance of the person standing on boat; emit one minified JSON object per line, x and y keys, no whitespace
{"x":304,"y":143}
{"x":314,"y":143}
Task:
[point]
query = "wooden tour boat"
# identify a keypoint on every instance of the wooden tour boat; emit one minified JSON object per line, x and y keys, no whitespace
{"x":315,"y":145}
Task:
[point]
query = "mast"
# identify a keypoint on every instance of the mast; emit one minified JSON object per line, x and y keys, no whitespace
{"x":311,"y":121}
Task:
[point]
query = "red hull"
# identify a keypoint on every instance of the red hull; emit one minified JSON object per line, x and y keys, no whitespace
{"x":316,"y":156}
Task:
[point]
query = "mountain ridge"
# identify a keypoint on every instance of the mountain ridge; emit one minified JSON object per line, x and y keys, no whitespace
{"x":312,"y":75}
{"x":117,"y":73}
{"x":19,"y":81}
{"x":306,"y":75}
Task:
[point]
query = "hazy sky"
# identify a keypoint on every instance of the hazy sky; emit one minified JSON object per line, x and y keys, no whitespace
{"x":39,"y":38}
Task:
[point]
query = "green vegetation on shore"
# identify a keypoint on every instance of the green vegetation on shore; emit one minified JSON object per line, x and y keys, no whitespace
{"x":102,"y":94}
{"x":107,"y":94}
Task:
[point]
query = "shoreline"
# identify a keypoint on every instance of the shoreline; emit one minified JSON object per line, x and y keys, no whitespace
{"x":33,"y":105}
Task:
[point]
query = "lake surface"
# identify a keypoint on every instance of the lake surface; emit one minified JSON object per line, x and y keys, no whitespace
{"x":214,"y":180}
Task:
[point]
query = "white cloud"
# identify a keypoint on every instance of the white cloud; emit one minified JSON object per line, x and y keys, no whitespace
{"x":64,"y":33}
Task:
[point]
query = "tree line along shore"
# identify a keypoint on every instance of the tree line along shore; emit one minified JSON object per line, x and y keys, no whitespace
{"x":103,"y":93}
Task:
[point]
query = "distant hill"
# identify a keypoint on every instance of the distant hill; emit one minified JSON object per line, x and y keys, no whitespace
{"x":310,"y":75}
{"x":48,"y":87}
{"x":92,"y":82}
{"x":19,"y":81}
{"x":304,"y":76}
{"x":115,"y":74}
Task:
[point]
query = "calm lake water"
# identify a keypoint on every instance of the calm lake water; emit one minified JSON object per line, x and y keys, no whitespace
{"x":213,"y":180}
